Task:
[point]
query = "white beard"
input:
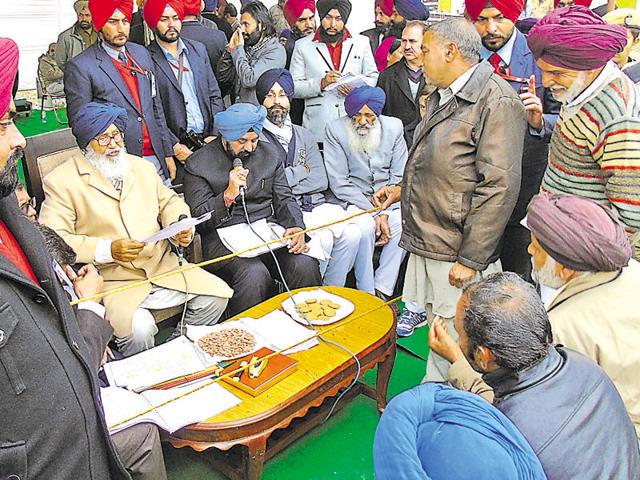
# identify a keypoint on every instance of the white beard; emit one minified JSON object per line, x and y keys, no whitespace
{"x":547,"y":274}
{"x":570,"y":94}
{"x":112,"y":169}
{"x":364,"y":140}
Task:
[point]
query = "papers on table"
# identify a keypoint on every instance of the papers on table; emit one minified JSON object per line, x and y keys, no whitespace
{"x":354,"y":81}
{"x":279,"y":330}
{"x":175,"y":228}
{"x":120,"y":404}
{"x":238,"y":238}
{"x":164,"y":362}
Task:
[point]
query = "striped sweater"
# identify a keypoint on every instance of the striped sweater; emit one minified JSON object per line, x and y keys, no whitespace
{"x":595,"y":149}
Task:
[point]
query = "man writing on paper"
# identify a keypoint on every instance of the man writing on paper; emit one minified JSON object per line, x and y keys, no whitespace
{"x":103,"y":203}
{"x":214,"y":178}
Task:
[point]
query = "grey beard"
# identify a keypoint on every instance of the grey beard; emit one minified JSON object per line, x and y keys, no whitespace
{"x":277,"y":116}
{"x":9,"y":174}
{"x":113,"y":171}
{"x":364,"y":142}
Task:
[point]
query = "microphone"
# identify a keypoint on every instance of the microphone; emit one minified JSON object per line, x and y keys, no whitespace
{"x":237,"y":163}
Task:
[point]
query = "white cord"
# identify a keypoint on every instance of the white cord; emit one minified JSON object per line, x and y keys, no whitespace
{"x":304,"y":316}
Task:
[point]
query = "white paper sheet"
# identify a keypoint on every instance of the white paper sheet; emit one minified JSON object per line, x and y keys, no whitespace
{"x":280,"y":330}
{"x":120,"y":404}
{"x":175,"y":228}
{"x":354,"y":81}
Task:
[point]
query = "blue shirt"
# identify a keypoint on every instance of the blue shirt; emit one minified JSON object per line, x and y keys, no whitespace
{"x":195,"y":120}
{"x":505,"y":52}
{"x":113,"y":53}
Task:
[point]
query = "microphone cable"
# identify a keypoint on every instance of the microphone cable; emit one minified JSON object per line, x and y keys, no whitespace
{"x":303,"y":315}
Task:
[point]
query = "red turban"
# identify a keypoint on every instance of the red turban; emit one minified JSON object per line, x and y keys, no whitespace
{"x":576,"y":38}
{"x":192,"y":7}
{"x":101,"y":10}
{"x":582,"y":3}
{"x":386,"y":6}
{"x":511,"y":9}
{"x":154,"y":9}
{"x":294,"y":8}
{"x":8,"y":69}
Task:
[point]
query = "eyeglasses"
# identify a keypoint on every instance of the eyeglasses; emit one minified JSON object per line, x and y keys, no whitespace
{"x":104,"y":139}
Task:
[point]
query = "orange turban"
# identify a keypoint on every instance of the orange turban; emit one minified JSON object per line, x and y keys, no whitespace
{"x":101,"y":10}
{"x":154,"y":9}
{"x":511,"y":9}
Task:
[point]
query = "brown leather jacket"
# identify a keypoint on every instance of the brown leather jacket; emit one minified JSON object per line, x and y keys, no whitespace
{"x":462,"y":178}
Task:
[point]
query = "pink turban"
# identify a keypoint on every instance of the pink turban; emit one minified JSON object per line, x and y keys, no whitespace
{"x":8,"y":69}
{"x":575,"y":38}
{"x":293,"y":9}
{"x":511,"y":9}
{"x":579,"y":233}
{"x":382,"y":53}
{"x":101,"y":10}
{"x":386,"y":6}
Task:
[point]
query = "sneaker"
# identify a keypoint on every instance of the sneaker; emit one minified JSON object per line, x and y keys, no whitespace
{"x":409,"y":321}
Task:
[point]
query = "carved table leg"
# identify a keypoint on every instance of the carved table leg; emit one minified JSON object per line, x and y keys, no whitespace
{"x":383,"y":376}
{"x":253,"y":458}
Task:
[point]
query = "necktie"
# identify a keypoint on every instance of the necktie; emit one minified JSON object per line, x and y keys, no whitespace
{"x":495,"y":60}
{"x":123,"y":58}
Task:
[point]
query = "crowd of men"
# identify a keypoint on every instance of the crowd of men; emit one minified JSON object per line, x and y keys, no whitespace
{"x":489,"y":164}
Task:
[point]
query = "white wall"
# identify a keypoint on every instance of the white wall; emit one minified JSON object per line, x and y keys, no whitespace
{"x":34,"y":24}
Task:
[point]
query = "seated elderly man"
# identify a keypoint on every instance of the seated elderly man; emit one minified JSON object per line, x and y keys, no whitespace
{"x":306,"y":174}
{"x":241,"y":181}
{"x":365,"y":151}
{"x":421,"y":428}
{"x":104,"y":203}
{"x":561,"y":401}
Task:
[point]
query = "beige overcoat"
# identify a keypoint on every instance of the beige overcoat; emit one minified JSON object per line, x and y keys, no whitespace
{"x":84,"y":208}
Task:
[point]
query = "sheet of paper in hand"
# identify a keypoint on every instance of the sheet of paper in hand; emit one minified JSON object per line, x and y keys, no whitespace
{"x":175,"y":228}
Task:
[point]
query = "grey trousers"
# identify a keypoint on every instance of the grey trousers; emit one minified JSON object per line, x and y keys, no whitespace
{"x":140,"y":450}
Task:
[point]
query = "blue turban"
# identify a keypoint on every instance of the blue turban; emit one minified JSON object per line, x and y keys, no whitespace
{"x":373,"y":97}
{"x":94,"y":118}
{"x":412,"y":10}
{"x":269,"y":78}
{"x":437,"y":432}
{"x":210,"y":5}
{"x":238,"y":119}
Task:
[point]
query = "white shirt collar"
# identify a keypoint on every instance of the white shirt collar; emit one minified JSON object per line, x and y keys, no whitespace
{"x":456,"y":86}
{"x":608,"y":73}
{"x":506,"y":52}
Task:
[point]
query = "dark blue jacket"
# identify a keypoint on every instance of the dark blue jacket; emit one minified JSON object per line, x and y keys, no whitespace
{"x":93,"y":77}
{"x":173,"y":101}
{"x":214,"y":41}
{"x":536,"y":148}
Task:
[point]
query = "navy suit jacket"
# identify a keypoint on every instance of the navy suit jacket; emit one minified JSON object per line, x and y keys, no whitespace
{"x":93,"y":77}
{"x":536,"y":147}
{"x":173,"y":102}
{"x":214,"y":41}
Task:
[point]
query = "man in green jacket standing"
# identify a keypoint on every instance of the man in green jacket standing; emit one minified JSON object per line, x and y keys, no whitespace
{"x":78,"y":37}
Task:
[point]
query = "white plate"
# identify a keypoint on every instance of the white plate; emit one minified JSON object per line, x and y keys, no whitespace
{"x":195,"y":333}
{"x":346,"y":307}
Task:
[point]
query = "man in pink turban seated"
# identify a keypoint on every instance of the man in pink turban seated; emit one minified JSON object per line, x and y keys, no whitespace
{"x":595,"y":146}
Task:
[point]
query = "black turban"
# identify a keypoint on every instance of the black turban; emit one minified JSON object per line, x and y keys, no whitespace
{"x":343,"y":6}
{"x":268,"y":79}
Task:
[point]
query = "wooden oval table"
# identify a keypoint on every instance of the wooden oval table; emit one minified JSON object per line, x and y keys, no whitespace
{"x":238,"y":441}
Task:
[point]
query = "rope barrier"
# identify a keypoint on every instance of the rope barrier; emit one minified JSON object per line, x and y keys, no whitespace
{"x":233,"y":373}
{"x":215,"y":260}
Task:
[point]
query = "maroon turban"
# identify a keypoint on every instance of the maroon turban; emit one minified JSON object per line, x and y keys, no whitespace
{"x":579,"y":233}
{"x":386,"y":6}
{"x":582,"y":3}
{"x":575,"y":38}
{"x":101,"y":10}
{"x":192,"y":7}
{"x":511,"y":9}
{"x":294,"y":8}
{"x":8,"y":69}
{"x":153,"y":10}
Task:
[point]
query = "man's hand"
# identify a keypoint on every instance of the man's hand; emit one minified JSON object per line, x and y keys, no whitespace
{"x":332,"y":76}
{"x":125,"y":249}
{"x":383,"y":232}
{"x":236,"y":39}
{"x":237,"y":179}
{"x":387,"y":196}
{"x":87,"y":282}
{"x":171,"y":167}
{"x":182,"y":152}
{"x":459,"y":275}
{"x":184,"y":238}
{"x":344,"y":90}
{"x":441,"y":341}
{"x":297,"y":244}
{"x":533,"y":105}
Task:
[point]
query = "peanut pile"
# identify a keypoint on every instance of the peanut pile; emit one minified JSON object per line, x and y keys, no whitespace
{"x":228,"y":343}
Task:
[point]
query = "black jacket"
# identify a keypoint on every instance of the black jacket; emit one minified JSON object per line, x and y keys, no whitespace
{"x":214,"y":41}
{"x":572,"y":416}
{"x":400,"y":102}
{"x":173,"y":100}
{"x":373,"y":34}
{"x":268,"y":193}
{"x":51,"y":421}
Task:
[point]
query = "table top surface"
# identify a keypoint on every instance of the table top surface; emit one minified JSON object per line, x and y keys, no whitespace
{"x":356,"y":332}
